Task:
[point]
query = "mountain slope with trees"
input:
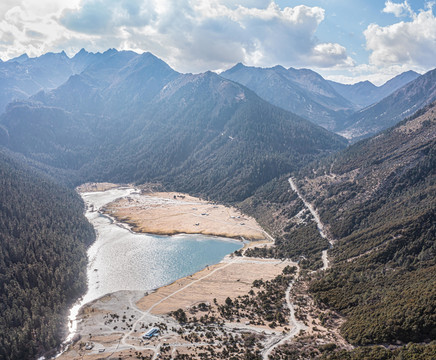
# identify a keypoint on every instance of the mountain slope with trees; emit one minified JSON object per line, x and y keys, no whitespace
{"x":365,"y":93}
{"x":128,"y":118}
{"x":131,"y":118}
{"x":378,"y":198}
{"x":44,"y":236}
{"x":300,"y":91}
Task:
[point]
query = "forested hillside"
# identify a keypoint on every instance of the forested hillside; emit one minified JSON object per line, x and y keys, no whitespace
{"x":127,"y":118}
{"x":131,"y":118}
{"x":378,"y":198}
{"x":43,"y":241}
{"x":283,"y":214}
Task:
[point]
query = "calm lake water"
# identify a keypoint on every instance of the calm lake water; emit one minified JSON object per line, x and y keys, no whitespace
{"x":122,"y":260}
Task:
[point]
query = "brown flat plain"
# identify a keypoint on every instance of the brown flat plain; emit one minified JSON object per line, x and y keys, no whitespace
{"x":94,"y":187}
{"x":231,"y":278}
{"x":169,"y":213}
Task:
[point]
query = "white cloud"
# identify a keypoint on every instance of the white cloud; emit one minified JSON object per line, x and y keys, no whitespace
{"x":32,"y":27}
{"x":405,"y":45}
{"x":411,"y":43}
{"x":191,"y":35}
{"x":399,"y":10}
{"x":329,"y":55}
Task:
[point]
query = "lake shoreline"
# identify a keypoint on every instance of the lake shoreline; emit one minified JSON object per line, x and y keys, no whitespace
{"x":99,"y":320}
{"x":94,"y":211}
{"x":173,"y":213}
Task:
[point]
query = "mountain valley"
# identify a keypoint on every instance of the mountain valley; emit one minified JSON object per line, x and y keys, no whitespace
{"x":361,"y":286}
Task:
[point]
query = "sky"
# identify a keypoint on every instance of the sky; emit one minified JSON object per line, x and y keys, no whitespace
{"x":343,"y":40}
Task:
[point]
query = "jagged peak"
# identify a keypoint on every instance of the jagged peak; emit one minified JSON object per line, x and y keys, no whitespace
{"x":20,"y":59}
{"x":365,"y":82}
{"x":411,"y":72}
{"x":60,"y":55}
{"x":150,"y":56}
{"x":110,"y":51}
{"x":237,"y":67}
{"x":147,"y":59}
{"x":412,"y":75}
{"x":82,"y":52}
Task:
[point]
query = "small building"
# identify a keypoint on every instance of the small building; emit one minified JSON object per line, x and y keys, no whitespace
{"x":150,"y":333}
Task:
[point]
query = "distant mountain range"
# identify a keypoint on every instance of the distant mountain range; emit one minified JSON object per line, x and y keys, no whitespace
{"x":365,"y":93}
{"x":130,"y":117}
{"x":303,"y":92}
{"x":22,"y":77}
{"x":402,"y":103}
{"x":115,"y":101}
{"x":331,"y":105}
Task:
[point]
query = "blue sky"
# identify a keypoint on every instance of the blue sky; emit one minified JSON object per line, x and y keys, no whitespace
{"x":346,"y":21}
{"x":346,"y":41}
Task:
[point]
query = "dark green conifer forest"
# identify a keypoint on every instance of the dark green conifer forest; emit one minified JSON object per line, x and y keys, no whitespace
{"x":43,"y":240}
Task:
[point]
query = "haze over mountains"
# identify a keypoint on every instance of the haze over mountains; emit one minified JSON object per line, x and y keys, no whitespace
{"x":392,"y":109}
{"x":303,"y":92}
{"x":365,"y":93}
{"x":309,"y":95}
{"x":158,"y":124}
{"x":23,"y":76}
{"x":331,"y":105}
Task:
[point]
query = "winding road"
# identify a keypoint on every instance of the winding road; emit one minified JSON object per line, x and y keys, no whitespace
{"x":276,"y":340}
{"x":295,"y":325}
{"x":321,"y":227}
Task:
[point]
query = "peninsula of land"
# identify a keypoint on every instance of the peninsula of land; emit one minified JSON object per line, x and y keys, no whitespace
{"x":170,"y":213}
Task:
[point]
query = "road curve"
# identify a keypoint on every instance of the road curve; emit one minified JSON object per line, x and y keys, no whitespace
{"x":295,"y":325}
{"x":321,"y":227}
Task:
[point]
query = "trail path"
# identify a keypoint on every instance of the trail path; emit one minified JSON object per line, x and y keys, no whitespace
{"x":295,"y":325}
{"x":147,"y":313}
{"x":321,"y":227}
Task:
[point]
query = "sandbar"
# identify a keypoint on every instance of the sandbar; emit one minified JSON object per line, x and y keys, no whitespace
{"x":170,"y":213}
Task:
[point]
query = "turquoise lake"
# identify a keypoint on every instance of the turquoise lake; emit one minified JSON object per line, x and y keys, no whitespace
{"x":122,"y":260}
